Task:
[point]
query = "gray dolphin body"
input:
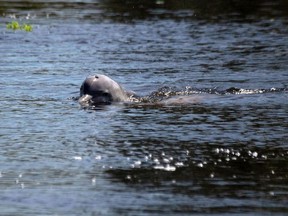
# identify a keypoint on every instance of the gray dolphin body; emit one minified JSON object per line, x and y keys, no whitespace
{"x":100,"y":89}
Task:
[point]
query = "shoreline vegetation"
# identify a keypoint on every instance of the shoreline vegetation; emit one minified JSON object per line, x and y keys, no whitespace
{"x":14,"y":25}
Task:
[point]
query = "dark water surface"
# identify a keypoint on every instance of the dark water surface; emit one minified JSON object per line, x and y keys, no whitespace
{"x":225,"y":154}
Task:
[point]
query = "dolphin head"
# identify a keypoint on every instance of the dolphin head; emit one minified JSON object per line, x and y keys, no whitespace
{"x":100,"y":89}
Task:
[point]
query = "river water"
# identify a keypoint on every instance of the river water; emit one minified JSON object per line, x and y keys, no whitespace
{"x":225,"y":153}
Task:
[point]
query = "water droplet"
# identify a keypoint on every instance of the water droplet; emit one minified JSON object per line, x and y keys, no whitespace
{"x":137,"y":163}
{"x":158,"y":167}
{"x":170,"y":168}
{"x":93,"y":180}
{"x":77,"y":158}
{"x":165,"y":160}
{"x":156,"y":161}
{"x":98,"y":157}
{"x":200,"y":165}
{"x":264,"y":157}
{"x":179,"y":164}
{"x":166,"y":168}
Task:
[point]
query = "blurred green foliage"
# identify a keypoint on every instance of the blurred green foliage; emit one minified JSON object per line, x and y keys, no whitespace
{"x":14,"y":25}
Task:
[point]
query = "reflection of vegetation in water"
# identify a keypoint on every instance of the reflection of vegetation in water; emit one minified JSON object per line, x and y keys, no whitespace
{"x":195,"y":9}
{"x":125,"y":10}
{"x":14,"y":25}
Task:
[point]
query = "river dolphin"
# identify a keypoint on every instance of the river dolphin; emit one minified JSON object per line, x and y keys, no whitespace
{"x":100,"y":89}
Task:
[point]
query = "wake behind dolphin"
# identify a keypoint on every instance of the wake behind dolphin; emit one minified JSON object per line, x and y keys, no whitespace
{"x":102,"y":90}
